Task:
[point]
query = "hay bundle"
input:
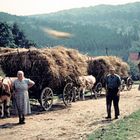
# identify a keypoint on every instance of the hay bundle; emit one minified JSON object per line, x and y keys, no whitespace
{"x":121,"y":67}
{"x":6,"y":50}
{"x":48,"y":67}
{"x":99,"y":67}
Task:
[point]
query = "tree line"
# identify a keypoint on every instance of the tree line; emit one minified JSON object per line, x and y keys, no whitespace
{"x":12,"y":36}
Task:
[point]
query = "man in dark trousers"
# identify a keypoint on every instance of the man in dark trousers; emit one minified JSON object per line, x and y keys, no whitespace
{"x":113,"y":83}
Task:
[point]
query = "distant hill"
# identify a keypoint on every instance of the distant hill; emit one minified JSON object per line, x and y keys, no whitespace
{"x":96,"y":30}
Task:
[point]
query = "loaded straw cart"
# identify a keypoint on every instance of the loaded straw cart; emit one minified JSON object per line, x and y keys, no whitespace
{"x":99,"y":67}
{"x":49,"y":68}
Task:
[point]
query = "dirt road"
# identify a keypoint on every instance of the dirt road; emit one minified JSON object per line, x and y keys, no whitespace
{"x":73,"y":123}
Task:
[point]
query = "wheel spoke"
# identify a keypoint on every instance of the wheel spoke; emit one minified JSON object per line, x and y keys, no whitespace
{"x":68,"y":94}
{"x":46,"y":98}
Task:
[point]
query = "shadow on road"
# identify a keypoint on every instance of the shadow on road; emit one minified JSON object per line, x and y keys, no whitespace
{"x":8,"y":125}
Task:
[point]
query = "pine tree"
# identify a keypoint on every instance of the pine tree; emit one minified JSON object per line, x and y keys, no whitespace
{"x":6,"y":36}
{"x":19,"y":37}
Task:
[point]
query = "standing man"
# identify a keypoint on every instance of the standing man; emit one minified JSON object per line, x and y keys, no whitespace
{"x":113,"y":83}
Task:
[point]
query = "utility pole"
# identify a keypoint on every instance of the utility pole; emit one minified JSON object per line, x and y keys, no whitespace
{"x":106,"y":51}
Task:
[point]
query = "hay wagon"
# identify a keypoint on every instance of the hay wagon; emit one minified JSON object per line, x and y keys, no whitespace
{"x":99,"y":67}
{"x":48,"y":68}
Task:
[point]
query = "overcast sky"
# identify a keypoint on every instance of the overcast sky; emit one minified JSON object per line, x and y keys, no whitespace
{"x":29,"y":7}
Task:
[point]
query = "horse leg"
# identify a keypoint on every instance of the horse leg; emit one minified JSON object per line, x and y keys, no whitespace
{"x":83,"y":94}
{"x":91,"y":91}
{"x":1,"y":110}
{"x":79,"y":92}
{"x":6,"y":107}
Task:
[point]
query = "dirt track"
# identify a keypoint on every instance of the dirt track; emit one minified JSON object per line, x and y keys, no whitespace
{"x":73,"y":123}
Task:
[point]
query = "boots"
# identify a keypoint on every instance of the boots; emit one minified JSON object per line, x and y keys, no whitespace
{"x":22,"y":119}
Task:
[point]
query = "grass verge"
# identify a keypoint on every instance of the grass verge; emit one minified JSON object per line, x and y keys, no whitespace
{"x":124,"y":129}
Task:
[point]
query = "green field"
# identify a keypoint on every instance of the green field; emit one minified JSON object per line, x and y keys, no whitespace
{"x":124,"y":129}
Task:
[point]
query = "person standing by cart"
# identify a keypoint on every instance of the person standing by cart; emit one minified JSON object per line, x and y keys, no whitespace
{"x":21,"y":97}
{"x":113,"y":83}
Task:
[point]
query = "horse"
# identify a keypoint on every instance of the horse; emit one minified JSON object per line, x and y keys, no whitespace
{"x":5,"y":96}
{"x":87,"y":83}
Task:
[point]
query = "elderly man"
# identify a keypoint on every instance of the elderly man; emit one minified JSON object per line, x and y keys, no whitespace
{"x":113,"y":83}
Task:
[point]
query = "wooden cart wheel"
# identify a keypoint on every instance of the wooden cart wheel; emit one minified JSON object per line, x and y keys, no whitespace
{"x":46,"y":98}
{"x":98,"y":89}
{"x":68,"y":94}
{"x":129,"y":84}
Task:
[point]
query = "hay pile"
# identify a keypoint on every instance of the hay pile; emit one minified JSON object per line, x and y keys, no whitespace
{"x":6,"y":50}
{"x":99,"y":67}
{"x":48,"y":67}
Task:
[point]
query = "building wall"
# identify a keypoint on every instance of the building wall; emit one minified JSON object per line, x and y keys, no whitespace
{"x":134,"y":56}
